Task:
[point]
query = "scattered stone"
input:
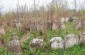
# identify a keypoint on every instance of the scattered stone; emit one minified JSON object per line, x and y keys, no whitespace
{"x":71,"y":40}
{"x":36,"y":43}
{"x":56,"y":42}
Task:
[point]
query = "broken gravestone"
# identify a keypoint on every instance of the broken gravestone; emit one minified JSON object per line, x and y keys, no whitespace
{"x":36,"y":43}
{"x":56,"y":42}
{"x":71,"y":40}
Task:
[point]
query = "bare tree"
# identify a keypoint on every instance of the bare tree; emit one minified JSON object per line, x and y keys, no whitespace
{"x":75,"y":5}
{"x":0,"y":9}
{"x":18,"y":7}
{"x":34,"y":8}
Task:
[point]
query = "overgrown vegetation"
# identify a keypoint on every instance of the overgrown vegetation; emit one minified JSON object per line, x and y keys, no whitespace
{"x":51,"y":13}
{"x":76,"y":50}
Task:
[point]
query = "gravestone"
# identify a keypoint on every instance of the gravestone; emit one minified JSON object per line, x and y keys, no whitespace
{"x":36,"y":43}
{"x":14,"y":45}
{"x":71,"y":40}
{"x":56,"y":42}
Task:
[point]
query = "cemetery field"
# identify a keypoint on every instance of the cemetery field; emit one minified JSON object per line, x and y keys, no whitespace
{"x":42,"y":27}
{"x":46,"y":50}
{"x":76,"y":50}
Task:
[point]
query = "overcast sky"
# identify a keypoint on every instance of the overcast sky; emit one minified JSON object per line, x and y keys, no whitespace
{"x":11,"y":4}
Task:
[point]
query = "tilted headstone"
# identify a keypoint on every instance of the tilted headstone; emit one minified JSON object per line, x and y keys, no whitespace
{"x":2,"y":31}
{"x":82,"y":37}
{"x":56,"y":42}
{"x":36,"y":43}
{"x":71,"y":40}
{"x":25,"y":38}
{"x":55,"y":26}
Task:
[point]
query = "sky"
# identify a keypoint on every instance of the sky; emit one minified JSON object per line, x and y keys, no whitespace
{"x":11,"y":4}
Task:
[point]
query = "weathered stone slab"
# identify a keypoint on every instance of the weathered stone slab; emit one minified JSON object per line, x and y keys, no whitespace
{"x":56,"y":42}
{"x":36,"y":43}
{"x":71,"y":40}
